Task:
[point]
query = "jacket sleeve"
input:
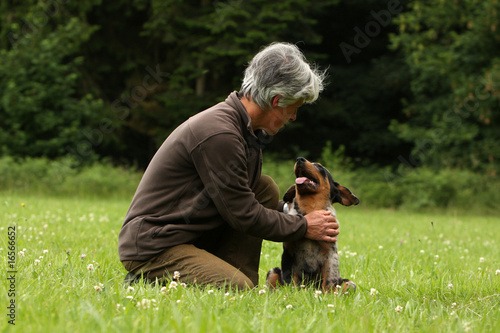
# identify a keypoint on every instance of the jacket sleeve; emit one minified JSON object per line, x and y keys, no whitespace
{"x":221,"y":162}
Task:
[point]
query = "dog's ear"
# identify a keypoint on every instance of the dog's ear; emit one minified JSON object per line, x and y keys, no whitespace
{"x":348,"y":198}
{"x":342,"y":194}
{"x":290,"y":194}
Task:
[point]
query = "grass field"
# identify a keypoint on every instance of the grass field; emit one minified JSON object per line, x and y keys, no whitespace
{"x":414,"y":272}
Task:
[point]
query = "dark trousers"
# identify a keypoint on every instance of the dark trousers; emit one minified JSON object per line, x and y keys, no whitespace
{"x":233,"y":263}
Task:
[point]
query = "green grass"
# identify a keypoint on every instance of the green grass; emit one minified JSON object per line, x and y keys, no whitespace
{"x":430,"y":265}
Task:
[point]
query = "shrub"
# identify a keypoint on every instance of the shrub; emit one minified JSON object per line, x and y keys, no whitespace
{"x":412,"y":189}
{"x":58,"y":177}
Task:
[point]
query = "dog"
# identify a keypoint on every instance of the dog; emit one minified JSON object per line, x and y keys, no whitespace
{"x":308,"y":261}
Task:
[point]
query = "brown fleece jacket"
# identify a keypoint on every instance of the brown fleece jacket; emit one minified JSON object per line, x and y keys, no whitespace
{"x":199,"y":182}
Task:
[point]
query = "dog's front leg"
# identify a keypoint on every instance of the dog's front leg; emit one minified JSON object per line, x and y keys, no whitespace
{"x":330,"y":272}
{"x":296,"y":278}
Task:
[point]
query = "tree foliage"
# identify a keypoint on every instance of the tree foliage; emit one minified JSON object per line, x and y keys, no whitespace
{"x":44,"y":109}
{"x":99,"y":79}
{"x":453,"y":53}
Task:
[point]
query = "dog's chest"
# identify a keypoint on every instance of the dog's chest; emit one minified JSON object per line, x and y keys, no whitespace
{"x":310,"y":256}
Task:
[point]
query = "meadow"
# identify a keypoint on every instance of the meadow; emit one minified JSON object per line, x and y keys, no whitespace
{"x":415,"y":271}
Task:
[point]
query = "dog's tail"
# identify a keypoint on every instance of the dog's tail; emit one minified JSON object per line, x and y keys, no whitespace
{"x":274,"y":278}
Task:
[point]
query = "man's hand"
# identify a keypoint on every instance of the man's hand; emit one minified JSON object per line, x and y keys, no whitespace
{"x":322,"y":226}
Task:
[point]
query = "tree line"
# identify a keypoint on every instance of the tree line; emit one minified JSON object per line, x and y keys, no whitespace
{"x":410,"y":82}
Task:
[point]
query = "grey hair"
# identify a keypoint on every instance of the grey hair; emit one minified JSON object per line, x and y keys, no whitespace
{"x":281,"y":69}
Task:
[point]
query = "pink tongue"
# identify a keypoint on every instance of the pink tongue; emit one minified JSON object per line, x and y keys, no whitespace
{"x":301,"y":180}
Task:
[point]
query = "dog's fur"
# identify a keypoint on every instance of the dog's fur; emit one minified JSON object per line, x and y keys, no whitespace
{"x":307,"y":261}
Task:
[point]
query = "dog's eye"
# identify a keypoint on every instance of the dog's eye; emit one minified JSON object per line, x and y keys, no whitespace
{"x":321,"y":169}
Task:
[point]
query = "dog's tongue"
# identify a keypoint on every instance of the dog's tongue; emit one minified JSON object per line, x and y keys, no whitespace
{"x":301,"y":180}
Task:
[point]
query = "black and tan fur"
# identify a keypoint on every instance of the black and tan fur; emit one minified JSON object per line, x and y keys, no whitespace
{"x":307,"y":261}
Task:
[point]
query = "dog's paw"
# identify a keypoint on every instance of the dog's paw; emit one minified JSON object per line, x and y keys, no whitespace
{"x":273,"y":278}
{"x":347,"y":287}
{"x":344,"y":287}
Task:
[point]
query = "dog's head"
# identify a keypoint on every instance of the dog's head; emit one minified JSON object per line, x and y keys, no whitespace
{"x":315,"y":181}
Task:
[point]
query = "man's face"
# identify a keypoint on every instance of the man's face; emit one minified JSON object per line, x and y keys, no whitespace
{"x":277,"y":117}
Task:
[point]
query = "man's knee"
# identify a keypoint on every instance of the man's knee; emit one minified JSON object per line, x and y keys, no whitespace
{"x":267,"y":192}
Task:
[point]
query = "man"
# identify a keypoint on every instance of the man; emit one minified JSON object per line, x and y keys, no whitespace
{"x":202,"y":207}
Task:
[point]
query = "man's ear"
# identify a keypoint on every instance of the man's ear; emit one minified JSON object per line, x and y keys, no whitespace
{"x":275,"y":100}
{"x":290,"y":194}
{"x":343,"y":195}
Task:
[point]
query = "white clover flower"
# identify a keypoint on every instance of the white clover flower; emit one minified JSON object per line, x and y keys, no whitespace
{"x":177,"y":275}
{"x":130,"y":289}
{"x":183,"y":285}
{"x":172,"y":285}
{"x":450,"y":286}
{"x":37,"y":262}
{"x":144,"y":304}
{"x":210,"y":292}
{"x":226,"y":294}
{"x":330,"y":305}
{"x":422,"y":251}
{"x":373,"y":292}
{"x":453,"y":305}
{"x":262,"y":291}
{"x":380,"y":247}
{"x":20,"y":254}
{"x":99,"y":287}
{"x":436,"y":257}
{"x":481,"y":259}
{"x":130,"y":297}
{"x":497,"y":272}
{"x":83,"y":256}
{"x":45,"y":251}
{"x":398,"y":308}
{"x":163,"y":290}
{"x":41,"y":257}
{"x":289,"y":306}
{"x":90,"y":267}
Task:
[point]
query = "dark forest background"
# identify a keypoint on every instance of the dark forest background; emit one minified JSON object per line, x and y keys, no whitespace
{"x":412,"y":83}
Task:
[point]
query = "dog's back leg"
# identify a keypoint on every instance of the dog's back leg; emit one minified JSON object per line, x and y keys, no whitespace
{"x":274,"y":278}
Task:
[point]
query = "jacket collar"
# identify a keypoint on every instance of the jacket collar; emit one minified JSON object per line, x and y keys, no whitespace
{"x":234,"y":101}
